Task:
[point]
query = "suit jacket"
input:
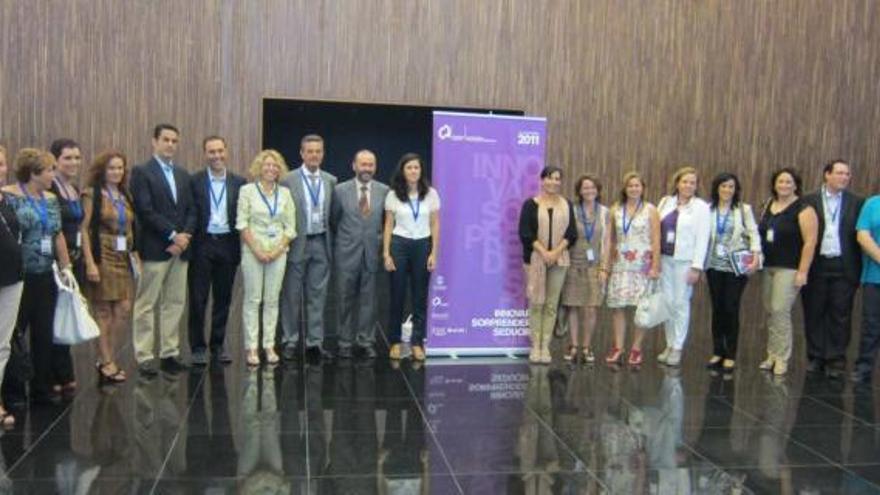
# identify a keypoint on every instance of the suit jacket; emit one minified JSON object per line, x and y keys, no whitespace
{"x":293,"y":181}
{"x":357,"y":239}
{"x":849,"y":247}
{"x":202,"y":200}
{"x":157,"y":212}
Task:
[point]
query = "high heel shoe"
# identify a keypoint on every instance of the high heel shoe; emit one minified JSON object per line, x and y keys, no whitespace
{"x":271,"y":356}
{"x":635,"y":357}
{"x":767,"y":364}
{"x":615,"y":355}
{"x":106,"y":375}
{"x":780,"y":367}
{"x":252,"y":358}
{"x":571,"y":355}
{"x":589,"y":358}
{"x":714,"y":362}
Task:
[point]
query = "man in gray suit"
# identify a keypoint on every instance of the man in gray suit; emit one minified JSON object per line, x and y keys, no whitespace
{"x":308,"y":261}
{"x":358,"y":208}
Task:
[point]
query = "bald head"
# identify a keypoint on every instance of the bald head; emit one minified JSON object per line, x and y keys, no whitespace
{"x":364,"y":165}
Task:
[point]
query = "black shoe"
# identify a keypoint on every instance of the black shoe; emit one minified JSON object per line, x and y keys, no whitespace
{"x":344,"y":352}
{"x":291,"y":352}
{"x":369,"y":352}
{"x":815,"y":366}
{"x":221,"y":356}
{"x":173,"y":365}
{"x":199,"y":357}
{"x":835,"y":369}
{"x":860,"y":376}
{"x":148,"y":368}
{"x":316,"y":353}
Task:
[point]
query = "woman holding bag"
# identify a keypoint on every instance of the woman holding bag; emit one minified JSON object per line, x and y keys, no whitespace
{"x":107,"y":231}
{"x":635,"y":261}
{"x":733,"y":231}
{"x":684,"y":239}
{"x":43,"y":244}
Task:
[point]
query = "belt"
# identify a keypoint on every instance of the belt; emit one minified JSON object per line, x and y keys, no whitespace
{"x":219,"y":237}
{"x":313,"y":236}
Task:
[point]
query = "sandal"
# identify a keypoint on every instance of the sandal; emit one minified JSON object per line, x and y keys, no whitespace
{"x":572,"y":354}
{"x":252,"y":359}
{"x":105,"y":375}
{"x":271,"y":356}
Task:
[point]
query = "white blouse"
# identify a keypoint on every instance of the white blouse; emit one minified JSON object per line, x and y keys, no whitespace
{"x":412,"y":219}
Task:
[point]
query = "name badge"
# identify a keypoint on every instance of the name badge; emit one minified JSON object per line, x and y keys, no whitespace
{"x":317,"y":218}
{"x":121,"y":243}
{"x":770,"y":235}
{"x":591,"y":255}
{"x":272,"y":231}
{"x":215,"y":219}
{"x":622,"y":248}
{"x":79,"y":239}
{"x":46,"y":246}
{"x":720,"y":250}
{"x":670,"y":237}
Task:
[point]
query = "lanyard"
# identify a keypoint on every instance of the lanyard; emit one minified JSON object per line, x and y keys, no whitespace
{"x":119,"y":203}
{"x":835,"y":211}
{"x":215,"y":199}
{"x":415,"y":211}
{"x":721,"y":225}
{"x":272,"y":210}
{"x":42,"y":210}
{"x":74,"y":204}
{"x":626,"y":226}
{"x":590,"y":227}
{"x":315,"y":194}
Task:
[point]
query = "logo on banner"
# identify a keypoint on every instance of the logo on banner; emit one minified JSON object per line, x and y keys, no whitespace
{"x":446,"y":131}
{"x":528,"y":138}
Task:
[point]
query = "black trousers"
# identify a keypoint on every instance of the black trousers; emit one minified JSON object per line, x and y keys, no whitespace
{"x":411,"y":260}
{"x":870,"y":339}
{"x":211,"y":270}
{"x":828,"y":302}
{"x":44,"y":363}
{"x":725,"y":291}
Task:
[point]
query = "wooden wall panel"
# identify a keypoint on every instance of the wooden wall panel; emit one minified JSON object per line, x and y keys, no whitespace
{"x":626,"y":84}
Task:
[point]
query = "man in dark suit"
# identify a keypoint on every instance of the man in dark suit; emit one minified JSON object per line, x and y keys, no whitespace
{"x":358,"y":208}
{"x":834,"y":275}
{"x":167,"y":218}
{"x":308,"y":260}
{"x":216,"y":251}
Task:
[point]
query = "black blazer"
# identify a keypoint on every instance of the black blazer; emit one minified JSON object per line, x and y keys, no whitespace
{"x":202,"y":199}
{"x":849,"y":247}
{"x":157,"y":213}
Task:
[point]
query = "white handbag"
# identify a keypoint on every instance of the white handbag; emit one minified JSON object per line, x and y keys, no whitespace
{"x":653,"y":309}
{"x":72,"y":324}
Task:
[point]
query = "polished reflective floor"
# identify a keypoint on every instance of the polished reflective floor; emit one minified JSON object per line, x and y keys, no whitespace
{"x":476,"y":426}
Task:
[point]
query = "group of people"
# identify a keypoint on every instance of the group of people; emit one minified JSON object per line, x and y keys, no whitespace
{"x":146,"y":241}
{"x":580,"y":254}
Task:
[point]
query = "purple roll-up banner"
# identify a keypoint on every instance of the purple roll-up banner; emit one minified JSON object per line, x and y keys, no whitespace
{"x":484,"y":167}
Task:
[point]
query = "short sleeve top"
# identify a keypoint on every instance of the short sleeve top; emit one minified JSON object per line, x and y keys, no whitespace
{"x":412,"y":218}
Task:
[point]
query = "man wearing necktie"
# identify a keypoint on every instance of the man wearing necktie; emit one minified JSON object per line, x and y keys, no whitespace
{"x":308,"y":260}
{"x":166,"y":219}
{"x":216,"y":251}
{"x":834,"y":275}
{"x":358,"y":217}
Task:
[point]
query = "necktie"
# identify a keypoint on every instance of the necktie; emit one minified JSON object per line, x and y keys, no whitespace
{"x":169,"y":176}
{"x":364,"y":203}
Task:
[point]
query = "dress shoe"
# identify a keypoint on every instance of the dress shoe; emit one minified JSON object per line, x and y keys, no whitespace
{"x":173,"y":364}
{"x":814,"y":366}
{"x":291,"y":352}
{"x":344,"y":352}
{"x":199,"y":357}
{"x":368,"y":352}
{"x":317,"y":353}
{"x":418,"y":353}
{"x":148,"y":368}
{"x":714,"y":362}
{"x":674,"y":358}
{"x":835,"y":369}
{"x":860,"y":376}
{"x":729,"y":365}
{"x":394,"y":352}
{"x":221,"y":356}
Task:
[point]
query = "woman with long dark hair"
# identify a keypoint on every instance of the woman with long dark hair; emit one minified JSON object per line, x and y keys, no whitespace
{"x":410,"y":244}
{"x":108,"y":233}
{"x":733,"y":231}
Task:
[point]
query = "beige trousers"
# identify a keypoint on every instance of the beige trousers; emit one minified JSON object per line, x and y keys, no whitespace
{"x":542,"y":317}
{"x":779,"y":293}
{"x":262,"y":284}
{"x":162,"y":283}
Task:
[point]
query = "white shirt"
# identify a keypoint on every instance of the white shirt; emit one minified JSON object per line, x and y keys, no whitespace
{"x":218,"y":221}
{"x":831,"y":206}
{"x":306,"y":178}
{"x":412,"y":219}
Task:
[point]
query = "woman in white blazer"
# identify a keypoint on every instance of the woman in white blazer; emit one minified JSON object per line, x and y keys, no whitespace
{"x":684,"y":240}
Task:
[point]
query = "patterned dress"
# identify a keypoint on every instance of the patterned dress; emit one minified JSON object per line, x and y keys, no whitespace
{"x":116,"y":282}
{"x":629,"y":280}
{"x":32,"y":231}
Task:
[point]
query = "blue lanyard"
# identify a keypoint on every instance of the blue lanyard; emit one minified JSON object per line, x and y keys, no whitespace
{"x":415,"y":211}
{"x":626,"y":226}
{"x":119,"y":203}
{"x":720,"y":226}
{"x":835,"y":211}
{"x":42,"y":210}
{"x":590,"y":227}
{"x":272,"y":210}
{"x":313,"y":193}
{"x":214,"y":199}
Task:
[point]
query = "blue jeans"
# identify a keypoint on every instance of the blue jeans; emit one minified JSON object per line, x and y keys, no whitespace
{"x":411,"y":260}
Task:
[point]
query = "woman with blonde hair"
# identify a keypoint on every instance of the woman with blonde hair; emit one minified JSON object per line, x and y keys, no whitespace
{"x":684,"y":241}
{"x":634,"y":250}
{"x":267,"y":221}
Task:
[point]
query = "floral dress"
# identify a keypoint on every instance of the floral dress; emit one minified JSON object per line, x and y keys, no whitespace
{"x":629,"y":280}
